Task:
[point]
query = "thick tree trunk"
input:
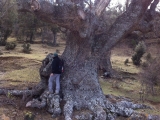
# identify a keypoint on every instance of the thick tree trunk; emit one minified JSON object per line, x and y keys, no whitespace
{"x":80,"y":84}
{"x":31,"y":37}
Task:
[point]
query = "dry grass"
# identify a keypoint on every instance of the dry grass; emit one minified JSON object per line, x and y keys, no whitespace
{"x":118,"y":64}
{"x":130,"y":84}
{"x":11,"y":39}
{"x":38,"y":51}
{"x":125,"y":88}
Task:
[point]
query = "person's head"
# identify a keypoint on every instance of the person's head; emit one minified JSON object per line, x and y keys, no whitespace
{"x":55,"y":55}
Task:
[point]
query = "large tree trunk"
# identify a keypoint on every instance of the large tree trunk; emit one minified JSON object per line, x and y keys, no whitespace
{"x":80,"y":84}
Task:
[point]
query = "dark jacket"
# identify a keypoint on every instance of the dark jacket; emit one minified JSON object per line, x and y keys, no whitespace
{"x":55,"y":65}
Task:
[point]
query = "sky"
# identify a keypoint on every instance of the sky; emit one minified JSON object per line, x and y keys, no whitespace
{"x":112,"y":1}
{"x":117,"y":1}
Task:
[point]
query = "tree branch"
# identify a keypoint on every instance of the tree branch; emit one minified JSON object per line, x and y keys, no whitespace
{"x":66,"y":15}
{"x":145,"y":25}
{"x":124,"y":24}
{"x":100,"y":7}
{"x":154,"y":5}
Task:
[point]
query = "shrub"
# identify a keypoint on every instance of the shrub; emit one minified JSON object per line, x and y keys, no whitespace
{"x":126,"y":61}
{"x":133,"y":43}
{"x":29,"y":116}
{"x":26,"y":48}
{"x":139,"y":51}
{"x":10,"y":45}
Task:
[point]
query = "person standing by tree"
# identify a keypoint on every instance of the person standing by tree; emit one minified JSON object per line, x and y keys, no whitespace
{"x":55,"y":75}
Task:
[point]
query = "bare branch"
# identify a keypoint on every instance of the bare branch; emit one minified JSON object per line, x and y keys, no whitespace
{"x":154,"y":5}
{"x":127,"y":4}
{"x":146,"y":25}
{"x":87,"y":2}
{"x":100,"y":7}
{"x":124,"y":24}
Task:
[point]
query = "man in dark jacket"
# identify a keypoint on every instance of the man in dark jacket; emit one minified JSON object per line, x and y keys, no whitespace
{"x":55,"y":75}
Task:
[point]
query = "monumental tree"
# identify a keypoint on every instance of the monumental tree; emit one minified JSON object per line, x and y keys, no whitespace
{"x":88,"y":40}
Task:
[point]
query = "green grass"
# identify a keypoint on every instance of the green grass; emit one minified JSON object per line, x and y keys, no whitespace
{"x":25,"y":75}
{"x":118,"y":64}
{"x":124,"y":89}
{"x":155,"y":99}
{"x":129,"y":87}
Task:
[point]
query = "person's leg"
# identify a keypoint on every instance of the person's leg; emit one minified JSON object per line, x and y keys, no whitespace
{"x":50,"y":83}
{"x":57,"y":84}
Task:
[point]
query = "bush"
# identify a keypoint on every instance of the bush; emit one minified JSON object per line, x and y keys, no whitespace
{"x":133,"y":43}
{"x":126,"y":61}
{"x":10,"y":45}
{"x":139,"y":51}
{"x":26,"y":48}
{"x":29,"y":116}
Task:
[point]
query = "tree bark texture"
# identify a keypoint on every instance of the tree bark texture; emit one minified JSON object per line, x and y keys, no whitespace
{"x":105,"y":63}
{"x":80,"y":85}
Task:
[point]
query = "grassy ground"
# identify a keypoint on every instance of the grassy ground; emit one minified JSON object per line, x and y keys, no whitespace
{"x":130,"y":85}
{"x":19,"y":70}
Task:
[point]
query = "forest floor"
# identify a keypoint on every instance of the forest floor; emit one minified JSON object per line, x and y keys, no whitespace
{"x":20,"y":71}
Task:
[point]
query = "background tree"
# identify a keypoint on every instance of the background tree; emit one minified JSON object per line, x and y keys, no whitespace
{"x":8,"y":17}
{"x":28,"y":25}
{"x":140,"y":49}
{"x":49,"y":32}
{"x":55,"y":29}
